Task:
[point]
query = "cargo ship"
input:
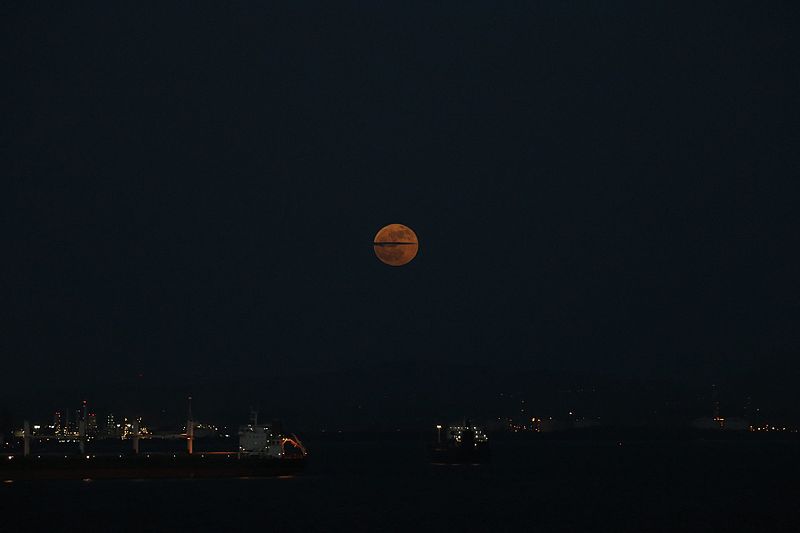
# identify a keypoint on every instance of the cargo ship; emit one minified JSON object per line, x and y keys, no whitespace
{"x":460,"y":444}
{"x":263,"y":451}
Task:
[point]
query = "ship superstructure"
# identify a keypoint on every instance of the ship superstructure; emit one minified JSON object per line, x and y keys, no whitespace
{"x":460,"y":443}
{"x":266,"y":440}
{"x":465,"y":433}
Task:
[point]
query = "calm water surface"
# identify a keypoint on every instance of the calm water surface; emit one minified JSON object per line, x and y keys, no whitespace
{"x":390,"y":486}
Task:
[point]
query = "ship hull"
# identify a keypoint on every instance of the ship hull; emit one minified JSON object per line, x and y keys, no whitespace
{"x":152,"y":466}
{"x":460,"y":455}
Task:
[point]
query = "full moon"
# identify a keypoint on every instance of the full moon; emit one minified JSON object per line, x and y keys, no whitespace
{"x":395,"y":244}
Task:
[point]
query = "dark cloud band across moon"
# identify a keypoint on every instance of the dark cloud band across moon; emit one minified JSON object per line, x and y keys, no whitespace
{"x":395,"y":244}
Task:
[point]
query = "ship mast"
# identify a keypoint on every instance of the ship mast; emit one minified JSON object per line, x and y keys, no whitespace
{"x":26,"y":436}
{"x":190,"y":429}
{"x":136,"y":435}
{"x":82,"y":430}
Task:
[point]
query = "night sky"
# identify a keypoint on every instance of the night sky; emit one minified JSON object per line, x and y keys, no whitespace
{"x":603,"y":192}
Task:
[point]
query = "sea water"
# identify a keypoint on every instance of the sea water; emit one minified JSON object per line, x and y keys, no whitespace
{"x":389,"y":485}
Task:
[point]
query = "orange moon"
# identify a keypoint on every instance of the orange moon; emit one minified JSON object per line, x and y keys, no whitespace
{"x":395,"y":244}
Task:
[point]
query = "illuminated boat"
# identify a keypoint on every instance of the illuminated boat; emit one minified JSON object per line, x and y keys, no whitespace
{"x":263,"y":451}
{"x":460,"y":444}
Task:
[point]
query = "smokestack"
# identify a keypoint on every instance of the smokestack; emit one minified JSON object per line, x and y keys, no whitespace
{"x":26,"y":438}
